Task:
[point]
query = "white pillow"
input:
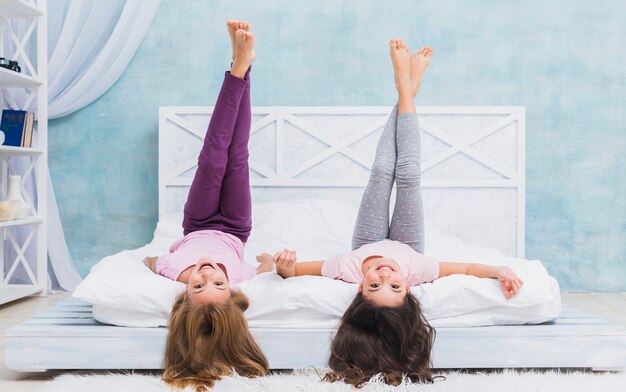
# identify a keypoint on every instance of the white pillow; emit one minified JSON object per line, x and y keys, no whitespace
{"x":317,"y":229}
{"x":123,"y":281}
{"x":318,"y":302}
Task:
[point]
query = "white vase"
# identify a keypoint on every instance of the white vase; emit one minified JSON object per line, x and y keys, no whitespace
{"x":14,"y":192}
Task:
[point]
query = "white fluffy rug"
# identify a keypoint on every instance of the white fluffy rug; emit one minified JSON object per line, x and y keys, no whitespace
{"x":508,"y":380}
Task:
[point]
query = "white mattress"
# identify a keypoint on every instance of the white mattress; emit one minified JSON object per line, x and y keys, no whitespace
{"x":124,"y":292}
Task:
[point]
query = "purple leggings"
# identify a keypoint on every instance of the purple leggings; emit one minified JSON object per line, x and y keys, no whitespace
{"x":219,"y":197}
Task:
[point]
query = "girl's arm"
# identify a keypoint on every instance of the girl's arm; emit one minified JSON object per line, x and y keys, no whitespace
{"x":510,"y":283}
{"x":150,"y":262}
{"x":287,"y":267}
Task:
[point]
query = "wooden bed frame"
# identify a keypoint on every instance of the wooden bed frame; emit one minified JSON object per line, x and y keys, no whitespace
{"x":67,"y":337}
{"x":473,"y":176}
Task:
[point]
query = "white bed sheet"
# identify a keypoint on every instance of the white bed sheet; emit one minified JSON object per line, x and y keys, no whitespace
{"x":124,"y":292}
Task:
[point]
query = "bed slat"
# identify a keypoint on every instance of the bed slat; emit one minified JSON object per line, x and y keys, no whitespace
{"x":67,"y":337}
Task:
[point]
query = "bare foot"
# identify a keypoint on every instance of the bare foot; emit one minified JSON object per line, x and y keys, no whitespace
{"x":233,"y":26}
{"x":244,"y":53}
{"x":150,"y":262}
{"x":419,"y":63}
{"x":266,"y":261}
{"x":400,"y":58}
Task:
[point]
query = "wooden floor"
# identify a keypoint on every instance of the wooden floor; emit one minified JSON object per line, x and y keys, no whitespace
{"x":609,"y":306}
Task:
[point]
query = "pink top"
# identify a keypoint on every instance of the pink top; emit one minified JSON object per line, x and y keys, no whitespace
{"x":221,"y":247}
{"x":415,"y":267}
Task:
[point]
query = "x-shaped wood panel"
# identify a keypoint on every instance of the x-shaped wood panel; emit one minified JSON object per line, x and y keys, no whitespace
{"x":342,"y":145}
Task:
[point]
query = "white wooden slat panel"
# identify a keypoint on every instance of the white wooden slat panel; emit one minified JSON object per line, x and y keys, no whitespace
{"x":453,"y":353}
{"x":525,"y":351}
{"x":281,"y":174}
{"x":61,"y":314}
{"x":553,"y":330}
{"x":61,"y":321}
{"x":71,"y":308}
{"x":580,"y":320}
{"x":85,"y":353}
{"x":565,"y":309}
{"x":88,"y":331}
{"x":64,"y":313}
{"x":577,"y":339}
{"x":72,"y":302}
{"x":536,"y":331}
{"x":287,"y":349}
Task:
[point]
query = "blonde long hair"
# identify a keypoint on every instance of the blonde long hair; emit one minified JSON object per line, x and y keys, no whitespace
{"x":206,"y":342}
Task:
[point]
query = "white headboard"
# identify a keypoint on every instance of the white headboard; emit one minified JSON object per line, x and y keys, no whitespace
{"x":473,"y":162}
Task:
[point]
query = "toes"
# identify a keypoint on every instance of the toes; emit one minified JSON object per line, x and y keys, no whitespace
{"x":233,"y":24}
{"x":397,"y":44}
{"x":243,"y":35}
{"x":425,"y":51}
{"x":238,"y":25}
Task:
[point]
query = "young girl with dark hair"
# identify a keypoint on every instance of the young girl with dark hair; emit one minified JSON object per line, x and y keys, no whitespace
{"x":208,"y":333}
{"x":383,"y":331}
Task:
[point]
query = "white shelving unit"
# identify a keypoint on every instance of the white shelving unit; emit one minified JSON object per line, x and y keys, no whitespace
{"x":26,"y":249}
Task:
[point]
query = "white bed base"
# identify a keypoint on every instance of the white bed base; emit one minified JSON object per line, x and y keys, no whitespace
{"x":67,"y":337}
{"x":473,"y":180}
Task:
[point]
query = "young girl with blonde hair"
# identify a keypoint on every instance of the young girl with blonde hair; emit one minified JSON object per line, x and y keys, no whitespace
{"x":383,"y":331}
{"x":208,"y":334}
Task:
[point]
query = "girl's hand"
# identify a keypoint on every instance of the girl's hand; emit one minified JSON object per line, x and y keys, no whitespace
{"x":266,"y":263}
{"x":150,"y":262}
{"x":509,"y":282}
{"x":285,"y":263}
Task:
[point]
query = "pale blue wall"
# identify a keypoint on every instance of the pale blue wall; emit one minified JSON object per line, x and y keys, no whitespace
{"x":562,"y":59}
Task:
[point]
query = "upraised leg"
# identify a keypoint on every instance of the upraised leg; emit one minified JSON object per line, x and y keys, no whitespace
{"x":236,"y":204}
{"x":372,"y":223}
{"x":204,"y":201}
{"x":407,"y":222}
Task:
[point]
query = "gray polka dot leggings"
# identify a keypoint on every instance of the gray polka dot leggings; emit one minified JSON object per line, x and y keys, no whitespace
{"x":397,"y":159}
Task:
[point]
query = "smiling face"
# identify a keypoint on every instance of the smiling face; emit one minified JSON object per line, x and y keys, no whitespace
{"x":383,"y":283}
{"x":208,"y":283}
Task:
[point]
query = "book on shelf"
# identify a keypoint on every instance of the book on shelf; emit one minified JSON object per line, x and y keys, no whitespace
{"x":17,"y":126}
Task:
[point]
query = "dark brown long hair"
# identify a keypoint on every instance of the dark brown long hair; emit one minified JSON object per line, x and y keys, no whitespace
{"x":205,"y":342}
{"x":393,"y":342}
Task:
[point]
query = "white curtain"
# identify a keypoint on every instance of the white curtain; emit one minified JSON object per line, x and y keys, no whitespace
{"x":90,"y":43}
